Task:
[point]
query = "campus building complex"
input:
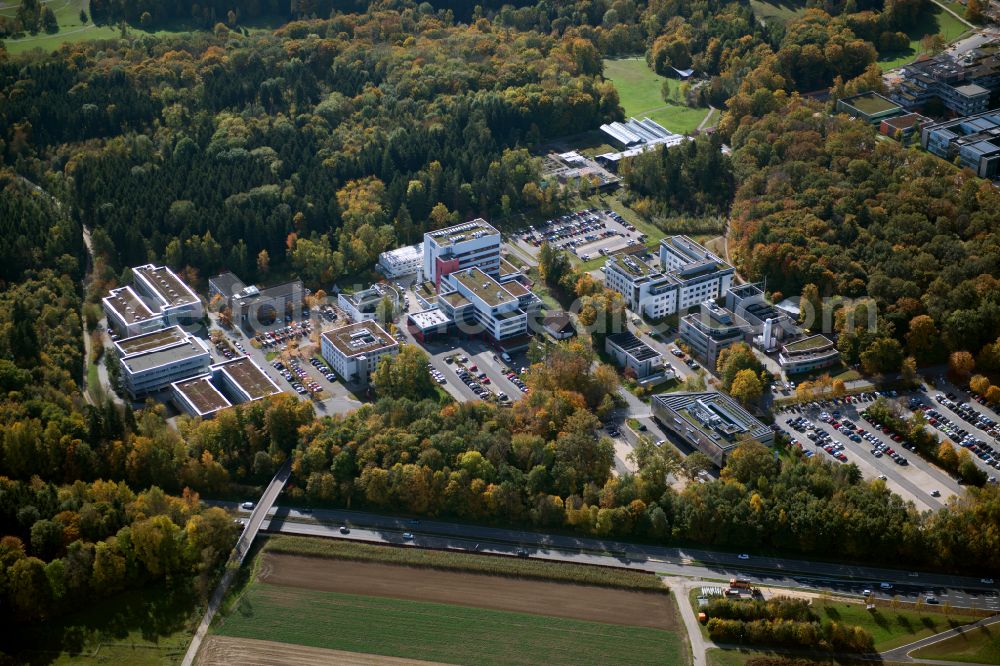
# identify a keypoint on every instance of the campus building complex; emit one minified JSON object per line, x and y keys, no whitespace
{"x":975,"y":140}
{"x":474,"y":244}
{"x":153,"y":361}
{"x":476,"y":302}
{"x":712,"y":422}
{"x":962,"y":86}
{"x":354,"y":350}
{"x":688,"y":274}
{"x":156,"y":298}
{"x":711,"y":330}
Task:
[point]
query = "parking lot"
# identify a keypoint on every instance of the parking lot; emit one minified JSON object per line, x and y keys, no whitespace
{"x":587,"y":234}
{"x":299,"y":376}
{"x":837,"y":431}
{"x":959,"y":418}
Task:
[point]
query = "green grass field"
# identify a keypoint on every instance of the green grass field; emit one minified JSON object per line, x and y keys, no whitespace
{"x":146,"y":627}
{"x":778,"y":11}
{"x":439,"y":632}
{"x":978,"y":646}
{"x":639,"y":93}
{"x":72,"y":29}
{"x":891,"y":628}
{"x":939,"y":22}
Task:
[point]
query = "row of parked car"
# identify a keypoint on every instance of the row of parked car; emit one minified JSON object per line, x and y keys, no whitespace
{"x":279,"y":337}
{"x":859,"y":398}
{"x":299,"y":378}
{"x":978,"y":447}
{"x":880,"y":448}
{"x":436,"y":374}
{"x":472,"y":378}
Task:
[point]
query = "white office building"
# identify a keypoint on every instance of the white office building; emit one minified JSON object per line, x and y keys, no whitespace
{"x":363,"y":305}
{"x":401,"y":261}
{"x":474,"y":244}
{"x":153,"y":361}
{"x":476,"y":302}
{"x":646,"y":290}
{"x":128,"y":314}
{"x":354,"y":351}
{"x":688,"y":275}
{"x":173,"y":299}
{"x":699,"y":274}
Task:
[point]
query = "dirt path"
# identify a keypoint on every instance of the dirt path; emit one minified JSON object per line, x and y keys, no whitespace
{"x":581,"y":602}
{"x":226,"y":651}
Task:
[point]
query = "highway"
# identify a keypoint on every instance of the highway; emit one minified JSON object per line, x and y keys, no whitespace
{"x":958,"y":591}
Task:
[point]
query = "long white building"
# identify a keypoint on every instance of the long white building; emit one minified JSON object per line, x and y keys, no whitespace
{"x":474,"y":244}
{"x":173,"y":299}
{"x":688,"y":274}
{"x":153,"y":361}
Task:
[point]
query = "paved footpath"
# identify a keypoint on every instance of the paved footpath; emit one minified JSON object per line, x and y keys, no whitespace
{"x":679,"y":587}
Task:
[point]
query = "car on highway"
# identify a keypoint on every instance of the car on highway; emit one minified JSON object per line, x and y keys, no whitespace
{"x":935,"y":493}
{"x":408,"y":536}
{"x":743,"y":556}
{"x":344,"y":529}
{"x":866,"y":593}
{"x":986,"y":581}
{"x":247,"y":506}
{"x":521,"y":552}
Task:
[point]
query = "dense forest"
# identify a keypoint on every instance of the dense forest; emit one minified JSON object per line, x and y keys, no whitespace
{"x":823,"y":204}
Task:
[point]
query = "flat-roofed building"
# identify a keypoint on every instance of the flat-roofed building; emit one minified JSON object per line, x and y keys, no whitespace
{"x":145,"y":342}
{"x":363,"y":305}
{"x":243,"y":380}
{"x":428,"y":324}
{"x":712,"y":422}
{"x":963,"y":85}
{"x":401,"y":261}
{"x":688,"y":274}
{"x":770,"y":324}
{"x":869,"y":107}
{"x":975,"y":140}
{"x":128,"y":314}
{"x":254,"y":307}
{"x":903,"y":127}
{"x":646,"y":290}
{"x":631,"y":353}
{"x":153,"y":361}
{"x":226,"y":285}
{"x":809,"y":353}
{"x":355,"y":350}
{"x":173,"y":299}
{"x":711,"y":330}
{"x":482,"y":304}
{"x":698,"y":273}
{"x":198,"y":396}
{"x":473,"y":244}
